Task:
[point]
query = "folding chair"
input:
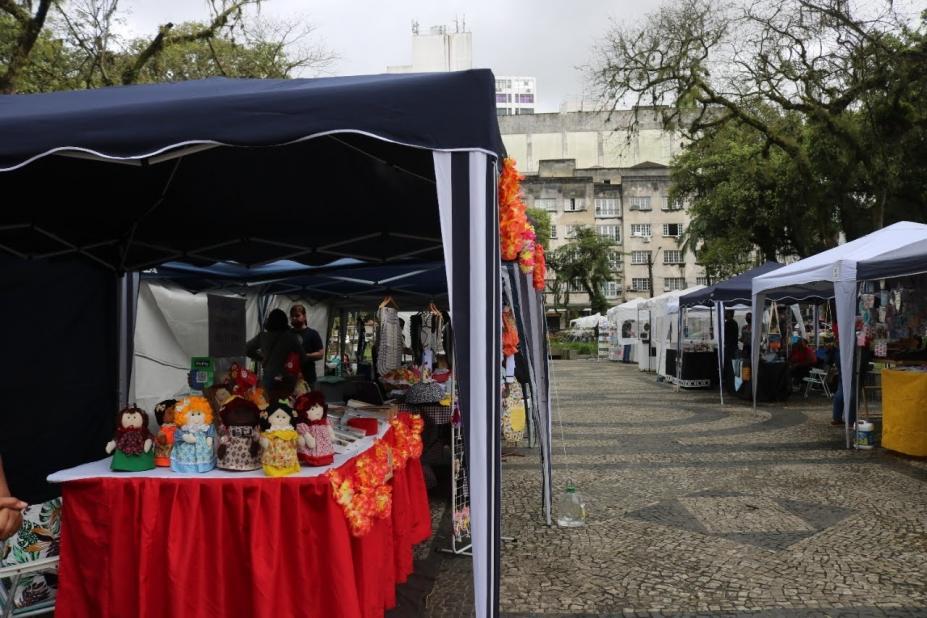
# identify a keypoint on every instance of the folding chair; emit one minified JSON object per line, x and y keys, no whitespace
{"x":817,"y":377}
{"x":10,"y":578}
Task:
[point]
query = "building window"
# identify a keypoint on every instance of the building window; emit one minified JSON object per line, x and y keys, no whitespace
{"x":576,"y":287}
{"x":611,"y":289}
{"x":521,"y":111}
{"x":503,"y":98}
{"x":640,"y":284}
{"x":503,"y":111}
{"x":640,"y":202}
{"x":553,"y":231}
{"x":674,"y":283}
{"x":524,"y":98}
{"x":503,"y":84}
{"x":574,"y":204}
{"x":640,"y":230}
{"x":546,"y":203}
{"x":571,"y":231}
{"x":672,"y":257}
{"x":701,"y":281}
{"x":614,"y":260}
{"x":640,"y":257}
{"x":607,"y":207}
{"x":612,"y":232}
{"x":669,"y":204}
{"x":672,"y":229}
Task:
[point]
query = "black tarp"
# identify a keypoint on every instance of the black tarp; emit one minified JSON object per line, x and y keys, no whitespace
{"x":59,"y":377}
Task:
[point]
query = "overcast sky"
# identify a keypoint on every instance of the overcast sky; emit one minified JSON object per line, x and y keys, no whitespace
{"x":547,"y":39}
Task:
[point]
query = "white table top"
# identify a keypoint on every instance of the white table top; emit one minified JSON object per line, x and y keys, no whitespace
{"x":101,"y":468}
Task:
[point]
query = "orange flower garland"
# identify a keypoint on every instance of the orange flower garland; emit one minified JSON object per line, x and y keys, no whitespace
{"x":540,"y":267}
{"x":517,"y":237}
{"x":512,"y":212}
{"x":363,"y":490}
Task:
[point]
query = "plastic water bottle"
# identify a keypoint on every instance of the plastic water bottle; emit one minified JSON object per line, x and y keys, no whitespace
{"x":572,"y":510}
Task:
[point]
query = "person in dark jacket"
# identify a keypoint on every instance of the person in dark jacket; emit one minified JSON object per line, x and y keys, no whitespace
{"x":273,"y":347}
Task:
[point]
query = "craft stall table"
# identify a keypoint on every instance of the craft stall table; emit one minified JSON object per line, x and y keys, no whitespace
{"x":904,"y":411}
{"x":159,"y":543}
{"x":699,"y":369}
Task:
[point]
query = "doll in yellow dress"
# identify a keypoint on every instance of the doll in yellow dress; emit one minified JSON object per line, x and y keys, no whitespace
{"x":280,"y":441}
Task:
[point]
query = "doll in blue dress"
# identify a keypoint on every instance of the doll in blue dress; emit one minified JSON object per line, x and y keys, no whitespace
{"x":195,"y":437}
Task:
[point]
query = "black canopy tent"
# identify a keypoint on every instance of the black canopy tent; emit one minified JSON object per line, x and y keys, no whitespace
{"x":381,"y":169}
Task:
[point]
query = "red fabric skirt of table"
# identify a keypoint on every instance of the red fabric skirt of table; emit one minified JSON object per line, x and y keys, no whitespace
{"x":239,"y":547}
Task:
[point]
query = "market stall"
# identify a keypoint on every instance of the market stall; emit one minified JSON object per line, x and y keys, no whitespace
{"x":662,"y":324}
{"x":733,"y":293}
{"x":898,"y":250}
{"x":691,"y":357}
{"x":244,"y":171}
{"x":624,"y":331}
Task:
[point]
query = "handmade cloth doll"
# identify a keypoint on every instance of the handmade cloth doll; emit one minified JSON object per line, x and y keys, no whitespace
{"x":164,"y":443}
{"x":239,"y":435}
{"x":312,"y":424}
{"x":193,"y":440}
{"x":132,"y":443}
{"x":280,"y":441}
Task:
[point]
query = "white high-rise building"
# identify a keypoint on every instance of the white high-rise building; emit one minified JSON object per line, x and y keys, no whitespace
{"x":515,"y":95}
{"x":440,"y":49}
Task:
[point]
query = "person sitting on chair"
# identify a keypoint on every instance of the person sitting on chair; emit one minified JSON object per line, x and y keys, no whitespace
{"x":801,"y":360}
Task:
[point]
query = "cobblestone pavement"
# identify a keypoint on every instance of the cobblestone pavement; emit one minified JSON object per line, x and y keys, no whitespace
{"x":699,"y":510}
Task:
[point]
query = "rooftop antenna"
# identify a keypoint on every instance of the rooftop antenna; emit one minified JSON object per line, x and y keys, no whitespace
{"x":414,"y":26}
{"x":465,"y":22}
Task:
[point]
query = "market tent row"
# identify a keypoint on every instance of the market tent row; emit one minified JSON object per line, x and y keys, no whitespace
{"x":894,"y":251}
{"x":375,"y":168}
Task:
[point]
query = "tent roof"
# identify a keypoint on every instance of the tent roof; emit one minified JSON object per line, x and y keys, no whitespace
{"x":587,"y":321}
{"x":662,"y":301}
{"x":348,"y":283}
{"x":629,"y":307}
{"x":166,"y":189}
{"x":134,"y":122}
{"x":899,"y":249}
{"x":737,"y":289}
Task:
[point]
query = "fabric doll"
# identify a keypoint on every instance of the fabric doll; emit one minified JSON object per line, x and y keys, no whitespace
{"x":239,"y":435}
{"x":193,"y":443}
{"x":312,"y":424}
{"x":132,"y":443}
{"x":164,"y":443}
{"x":280,"y":441}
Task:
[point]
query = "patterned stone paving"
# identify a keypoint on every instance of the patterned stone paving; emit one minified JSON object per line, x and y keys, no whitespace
{"x":701,"y":510}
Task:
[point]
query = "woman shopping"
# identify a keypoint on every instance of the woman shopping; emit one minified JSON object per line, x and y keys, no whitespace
{"x":279,"y":351}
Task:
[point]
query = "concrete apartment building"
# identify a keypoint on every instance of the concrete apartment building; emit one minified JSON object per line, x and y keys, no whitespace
{"x":583,"y":172}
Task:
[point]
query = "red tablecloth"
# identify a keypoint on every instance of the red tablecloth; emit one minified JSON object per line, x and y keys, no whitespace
{"x":239,"y":547}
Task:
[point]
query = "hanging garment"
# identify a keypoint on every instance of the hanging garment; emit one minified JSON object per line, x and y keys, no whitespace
{"x":389,"y":340}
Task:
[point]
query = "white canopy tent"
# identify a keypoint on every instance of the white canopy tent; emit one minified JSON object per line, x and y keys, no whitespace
{"x":895,"y":251}
{"x":588,"y":321}
{"x":621,"y":314}
{"x":662,"y":322}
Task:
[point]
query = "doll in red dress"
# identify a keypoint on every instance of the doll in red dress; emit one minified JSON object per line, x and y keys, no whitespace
{"x":312,"y":424}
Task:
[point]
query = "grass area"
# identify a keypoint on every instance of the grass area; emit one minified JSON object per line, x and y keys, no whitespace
{"x":579,"y":346}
